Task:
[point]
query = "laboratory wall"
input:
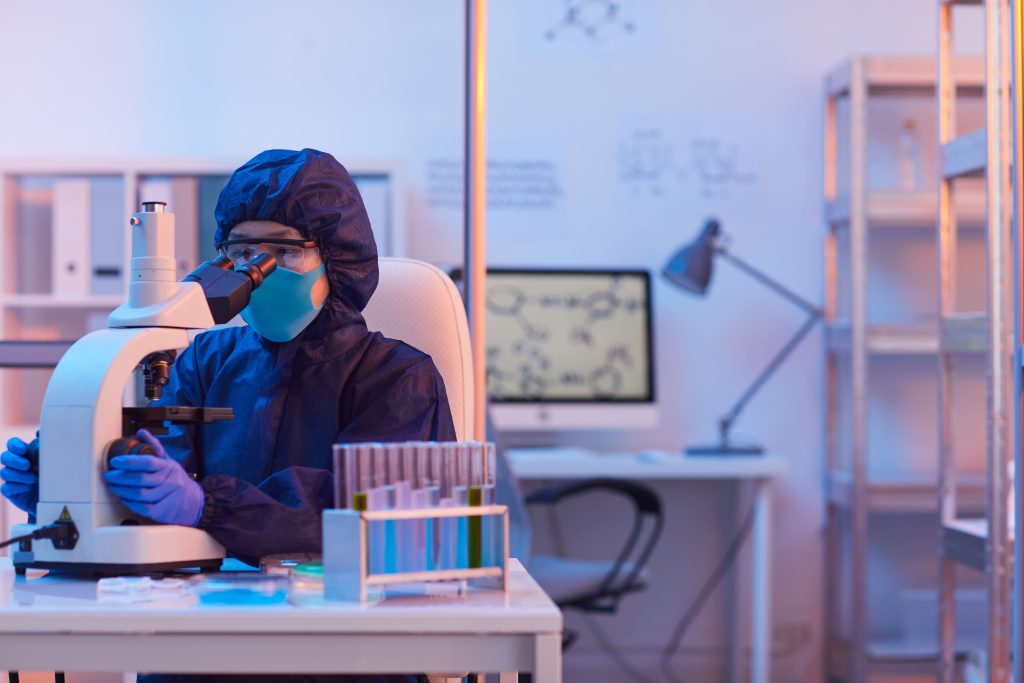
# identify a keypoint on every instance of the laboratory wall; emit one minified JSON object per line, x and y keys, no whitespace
{"x":610,"y":143}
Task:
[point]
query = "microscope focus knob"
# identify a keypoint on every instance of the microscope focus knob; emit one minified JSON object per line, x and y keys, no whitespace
{"x":128,"y":446}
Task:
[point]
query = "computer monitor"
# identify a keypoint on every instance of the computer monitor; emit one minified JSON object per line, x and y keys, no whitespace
{"x":570,"y":349}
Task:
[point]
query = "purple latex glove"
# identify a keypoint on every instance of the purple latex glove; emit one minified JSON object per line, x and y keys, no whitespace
{"x":21,"y":485}
{"x":155,"y":486}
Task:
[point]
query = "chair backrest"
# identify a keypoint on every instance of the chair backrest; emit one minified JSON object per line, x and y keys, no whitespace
{"x":418,"y":304}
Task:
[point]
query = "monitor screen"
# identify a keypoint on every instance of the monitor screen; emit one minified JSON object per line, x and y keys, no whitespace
{"x":568,"y":338}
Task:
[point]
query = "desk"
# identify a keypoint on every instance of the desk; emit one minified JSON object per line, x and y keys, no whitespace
{"x":578,"y":463}
{"x":56,"y":623}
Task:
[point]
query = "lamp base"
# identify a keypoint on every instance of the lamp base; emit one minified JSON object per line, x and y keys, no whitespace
{"x":720,"y":450}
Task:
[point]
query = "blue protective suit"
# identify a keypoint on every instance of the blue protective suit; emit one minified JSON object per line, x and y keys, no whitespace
{"x":266,"y":474}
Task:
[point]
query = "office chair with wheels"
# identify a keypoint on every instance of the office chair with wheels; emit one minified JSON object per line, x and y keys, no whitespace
{"x":599,"y":586}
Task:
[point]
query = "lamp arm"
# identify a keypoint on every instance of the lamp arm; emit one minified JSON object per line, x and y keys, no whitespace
{"x":768,"y":282}
{"x":725,"y":422}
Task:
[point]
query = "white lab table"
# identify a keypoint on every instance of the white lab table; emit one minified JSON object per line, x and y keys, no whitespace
{"x":57,"y":623}
{"x":580,"y":463}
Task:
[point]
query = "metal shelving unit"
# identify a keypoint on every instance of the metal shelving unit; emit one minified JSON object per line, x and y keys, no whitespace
{"x":982,"y":544}
{"x":851,"y":496}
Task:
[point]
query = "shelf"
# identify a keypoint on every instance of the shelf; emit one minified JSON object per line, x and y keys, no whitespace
{"x":965,"y":333}
{"x":964,"y":541}
{"x":966,"y":156}
{"x":117,"y":166}
{"x":32,"y":354}
{"x":962,"y":3}
{"x":50,"y":301}
{"x":906,"y":339}
{"x":908,"y":210}
{"x":904,"y":75}
{"x":910,"y":494}
{"x":893,"y":657}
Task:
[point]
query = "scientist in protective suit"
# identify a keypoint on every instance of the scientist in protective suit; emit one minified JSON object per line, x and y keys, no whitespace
{"x":303,"y":374}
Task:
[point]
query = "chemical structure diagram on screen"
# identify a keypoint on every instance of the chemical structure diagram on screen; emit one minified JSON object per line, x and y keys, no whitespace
{"x":650,"y":165}
{"x":592,"y":18}
{"x":529,"y":372}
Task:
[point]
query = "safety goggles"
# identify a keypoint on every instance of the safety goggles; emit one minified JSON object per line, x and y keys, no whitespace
{"x":300,"y":256}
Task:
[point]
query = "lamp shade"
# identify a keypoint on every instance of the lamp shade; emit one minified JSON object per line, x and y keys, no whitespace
{"x":690,"y":268}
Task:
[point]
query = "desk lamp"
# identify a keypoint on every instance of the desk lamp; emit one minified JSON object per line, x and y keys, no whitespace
{"x":690,"y":269}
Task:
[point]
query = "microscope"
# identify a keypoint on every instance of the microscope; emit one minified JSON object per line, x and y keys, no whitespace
{"x":80,"y":525}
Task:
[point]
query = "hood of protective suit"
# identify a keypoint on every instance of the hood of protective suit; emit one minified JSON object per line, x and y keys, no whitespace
{"x":313,"y":193}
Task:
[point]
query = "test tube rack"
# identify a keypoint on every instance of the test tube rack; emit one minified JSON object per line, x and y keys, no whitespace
{"x":347,"y":545}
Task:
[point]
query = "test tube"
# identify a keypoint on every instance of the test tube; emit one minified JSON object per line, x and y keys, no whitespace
{"x":448,"y":535}
{"x":383,"y":495}
{"x":417,"y":501}
{"x":474,"y":497}
{"x":422,"y":499}
{"x":494,"y":550}
{"x":364,"y":477}
{"x":341,"y":458}
{"x":409,"y":471}
{"x":446,"y":553}
{"x":460,"y":493}
{"x":376,"y":499}
{"x":402,"y":486}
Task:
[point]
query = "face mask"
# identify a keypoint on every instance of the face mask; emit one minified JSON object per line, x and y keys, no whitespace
{"x":283,"y":305}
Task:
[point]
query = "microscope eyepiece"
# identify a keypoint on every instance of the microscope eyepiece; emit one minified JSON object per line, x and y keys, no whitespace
{"x":222,"y":262}
{"x":259,"y":268}
{"x":228,"y":289}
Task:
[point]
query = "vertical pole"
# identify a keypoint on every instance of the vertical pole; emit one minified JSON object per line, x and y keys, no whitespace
{"x":1017,"y":159}
{"x":475,"y":203}
{"x":761,"y":621}
{"x":734,"y":510}
{"x":996,"y":186}
{"x":945,"y":93}
{"x":8,"y":237}
{"x":832,"y":518}
{"x":859,"y":363}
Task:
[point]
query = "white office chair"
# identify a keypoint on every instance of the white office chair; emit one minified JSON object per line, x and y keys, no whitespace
{"x":418,"y":304}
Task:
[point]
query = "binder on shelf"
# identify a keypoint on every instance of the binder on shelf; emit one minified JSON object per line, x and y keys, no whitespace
{"x":185,"y":200}
{"x":34,"y":243}
{"x":70,"y":265}
{"x":208,"y":193}
{"x":109,"y":230}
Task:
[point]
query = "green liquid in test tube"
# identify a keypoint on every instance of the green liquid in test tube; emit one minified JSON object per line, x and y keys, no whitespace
{"x":475,"y":498}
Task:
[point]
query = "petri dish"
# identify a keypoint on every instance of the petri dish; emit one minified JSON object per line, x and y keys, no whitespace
{"x":307,"y":584}
{"x":240,"y":588}
{"x":282,"y":565}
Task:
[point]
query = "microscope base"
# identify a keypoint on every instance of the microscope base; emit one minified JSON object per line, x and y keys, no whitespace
{"x":80,"y":568}
{"x":136,"y":549}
